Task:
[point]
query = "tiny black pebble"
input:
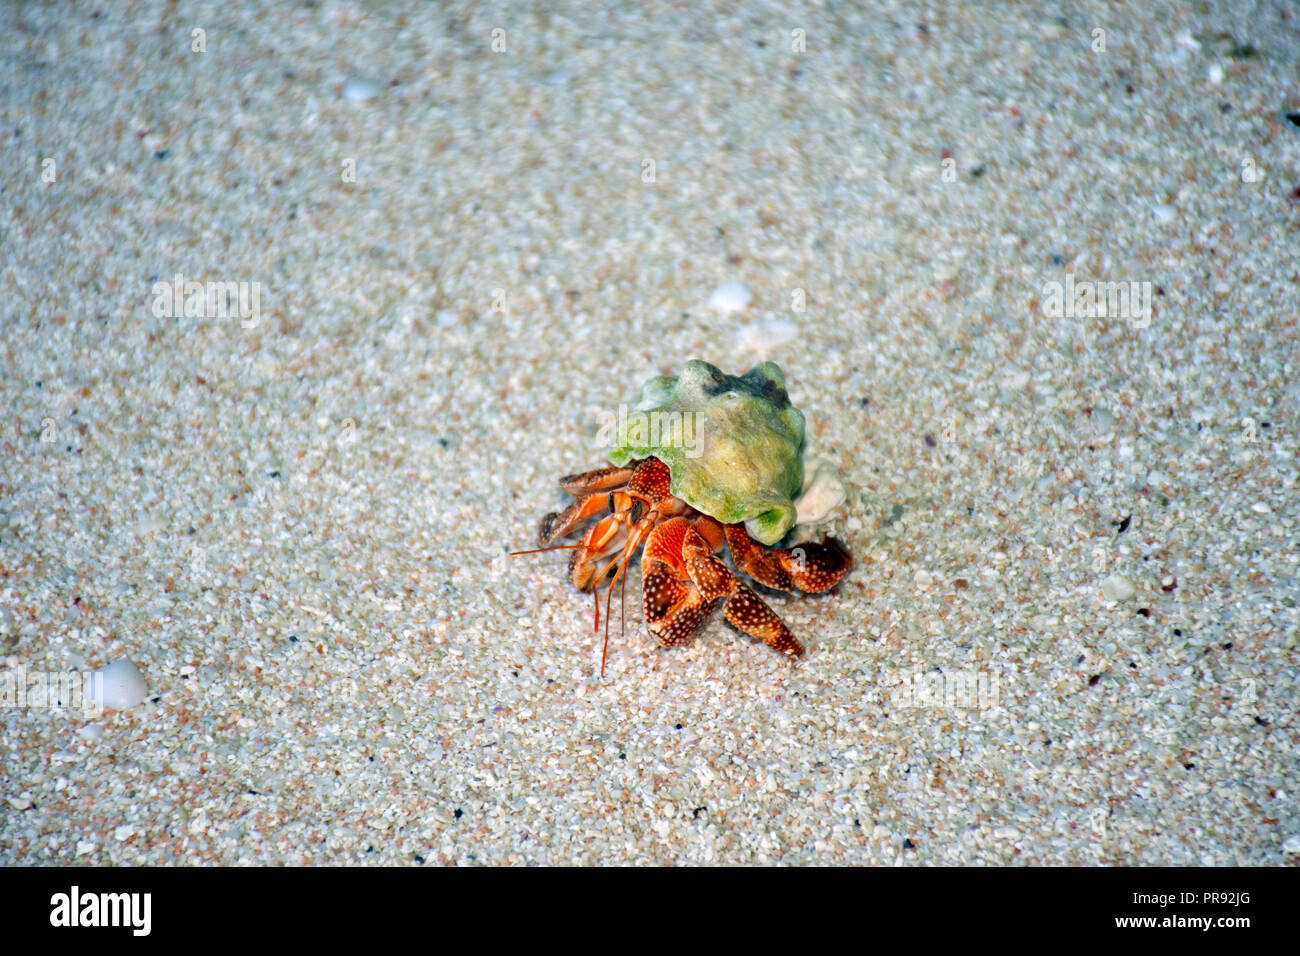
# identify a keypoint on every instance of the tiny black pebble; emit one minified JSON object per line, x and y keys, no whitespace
{"x":695,"y":814}
{"x":1293,"y":119}
{"x":458,"y":813}
{"x":254,"y":792}
{"x":622,"y":756}
{"x":929,"y":440}
{"x":762,"y":44}
{"x":1058,"y":261}
{"x":372,"y":759}
{"x":1047,"y":742}
{"x":1261,"y":721}
{"x":38,"y":383}
{"x":293,"y":638}
{"x":1144,"y":611}
{"x":856,"y":823}
{"x":864,"y":401}
{"x":370,"y":849}
{"x":419,"y":859}
{"x":1189,"y":766}
{"x":679,"y":726}
{"x":275,"y":474}
{"x":443,"y":442}
{"x":514,"y":673}
{"x":1123,"y":524}
{"x":1265,"y":424}
{"x":1178,"y":632}
{"x":1092,"y":681}
{"x":977,"y":172}
{"x":909,"y":845}
{"x":160,"y":154}
{"x":1227,"y":647}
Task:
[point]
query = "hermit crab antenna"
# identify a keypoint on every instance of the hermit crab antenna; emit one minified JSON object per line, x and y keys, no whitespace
{"x":554,"y":547}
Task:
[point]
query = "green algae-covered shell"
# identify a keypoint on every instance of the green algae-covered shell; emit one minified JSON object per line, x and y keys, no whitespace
{"x":733,"y":444}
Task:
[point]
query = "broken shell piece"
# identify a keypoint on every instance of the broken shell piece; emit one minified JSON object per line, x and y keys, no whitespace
{"x":764,"y":337}
{"x":823,"y":492}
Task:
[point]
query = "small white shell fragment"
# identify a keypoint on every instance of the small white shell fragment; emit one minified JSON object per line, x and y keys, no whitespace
{"x":124,"y":832}
{"x":923,"y":578}
{"x":359,"y":89}
{"x":1116,"y":588}
{"x":1291,"y":844}
{"x":1164,"y":213}
{"x":730,"y":297}
{"x":1215,"y":75}
{"x":121,"y":684}
{"x":823,"y":492}
{"x":765,"y":336}
{"x":91,"y":731}
{"x":19,"y":803}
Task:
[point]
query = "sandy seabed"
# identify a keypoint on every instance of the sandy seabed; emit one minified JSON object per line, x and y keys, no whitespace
{"x":462,"y":233}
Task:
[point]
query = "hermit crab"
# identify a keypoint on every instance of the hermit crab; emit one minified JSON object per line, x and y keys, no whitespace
{"x":702,"y":461}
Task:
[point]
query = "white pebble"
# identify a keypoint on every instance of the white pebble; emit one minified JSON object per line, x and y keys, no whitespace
{"x":84,"y":847}
{"x":358,"y":90}
{"x":730,"y":297}
{"x":1164,"y":213}
{"x":1116,"y":588}
{"x":1215,"y":75}
{"x":1292,"y":844}
{"x":19,"y":803}
{"x":92,"y":731}
{"x":923,"y":578}
{"x":1261,"y":508}
{"x":1104,"y":419}
{"x":1155,"y":479}
{"x":124,"y":832}
{"x":121,"y":685}
{"x":447,"y":318}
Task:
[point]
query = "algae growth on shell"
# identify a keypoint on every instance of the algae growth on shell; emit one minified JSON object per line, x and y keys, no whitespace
{"x":733,"y":444}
